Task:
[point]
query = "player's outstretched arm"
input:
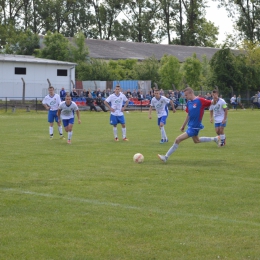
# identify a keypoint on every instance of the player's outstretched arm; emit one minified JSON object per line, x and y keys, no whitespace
{"x":78,"y":115}
{"x":173,"y":107}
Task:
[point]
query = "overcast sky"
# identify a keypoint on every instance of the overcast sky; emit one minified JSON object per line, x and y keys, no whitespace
{"x":219,"y":17}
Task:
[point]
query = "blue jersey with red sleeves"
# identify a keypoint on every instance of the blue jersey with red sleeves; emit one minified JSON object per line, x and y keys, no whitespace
{"x":195,"y":109}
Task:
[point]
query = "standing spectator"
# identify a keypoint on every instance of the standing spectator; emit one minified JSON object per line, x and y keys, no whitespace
{"x":100,"y":103}
{"x":90,"y":101}
{"x":195,"y":110}
{"x":233,"y":102}
{"x":218,"y":110}
{"x":62,"y":94}
{"x":115,"y":104}
{"x":239,"y":102}
{"x":66,"y":113}
{"x":51,"y":102}
{"x":160,"y":103}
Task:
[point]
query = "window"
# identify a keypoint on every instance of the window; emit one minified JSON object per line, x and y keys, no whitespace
{"x":20,"y":71}
{"x":62,"y":73}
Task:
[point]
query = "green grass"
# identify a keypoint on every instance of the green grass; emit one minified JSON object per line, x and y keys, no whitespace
{"x":89,"y":200}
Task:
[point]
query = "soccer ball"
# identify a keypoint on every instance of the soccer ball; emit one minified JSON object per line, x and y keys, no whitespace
{"x":138,"y":158}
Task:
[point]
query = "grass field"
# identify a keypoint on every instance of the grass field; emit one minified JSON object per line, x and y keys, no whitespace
{"x":89,"y":200}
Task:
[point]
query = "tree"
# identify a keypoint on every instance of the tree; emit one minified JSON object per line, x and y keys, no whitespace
{"x":225,"y":73}
{"x":169,"y":72}
{"x":192,"y":69}
{"x":56,"y":47}
{"x":246,"y":15}
{"x":80,"y":50}
{"x":23,"y":43}
{"x":148,"y":69}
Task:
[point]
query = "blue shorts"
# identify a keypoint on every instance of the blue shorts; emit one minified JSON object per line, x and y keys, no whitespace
{"x":162,"y":119}
{"x":66,"y":122}
{"x":192,"y":132}
{"x":220,"y":125}
{"x":114,"y":120}
{"x":52,"y":115}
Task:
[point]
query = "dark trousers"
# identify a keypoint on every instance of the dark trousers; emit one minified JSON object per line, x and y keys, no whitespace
{"x":103,"y":108}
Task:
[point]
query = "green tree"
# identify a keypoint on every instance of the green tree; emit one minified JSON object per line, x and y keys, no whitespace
{"x":225,"y":72}
{"x":79,"y":49}
{"x":148,"y":69}
{"x":23,"y":43}
{"x":192,"y":69}
{"x":169,"y":72}
{"x":56,"y":47}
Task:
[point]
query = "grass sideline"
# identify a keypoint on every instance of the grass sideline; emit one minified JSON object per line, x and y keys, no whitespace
{"x":89,"y":200}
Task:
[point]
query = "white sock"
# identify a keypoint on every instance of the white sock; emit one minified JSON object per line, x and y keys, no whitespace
{"x":115,"y":131}
{"x":124,"y":132}
{"x":223,"y":137}
{"x":60,"y":130}
{"x":172,"y":150}
{"x":70,"y":135}
{"x":163,"y":133}
{"x":51,"y":130}
{"x":207,"y":139}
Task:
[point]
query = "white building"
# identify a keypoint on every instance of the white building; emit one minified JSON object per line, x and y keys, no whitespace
{"x":19,"y":73}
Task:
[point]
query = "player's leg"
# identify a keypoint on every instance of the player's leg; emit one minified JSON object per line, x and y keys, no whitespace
{"x":59,"y":126}
{"x":162,"y":123}
{"x":51,"y":117}
{"x":113,"y":122}
{"x":222,"y":134}
{"x":174,"y":147}
{"x":69,"y":127}
{"x":121,"y":120}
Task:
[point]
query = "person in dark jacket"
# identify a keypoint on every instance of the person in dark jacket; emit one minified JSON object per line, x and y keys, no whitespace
{"x":100,"y":103}
{"x":90,"y":102}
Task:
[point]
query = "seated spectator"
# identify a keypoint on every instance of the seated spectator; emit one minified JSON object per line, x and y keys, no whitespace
{"x":90,"y":102}
{"x":94,"y":94}
{"x":84,"y":93}
{"x":134,"y":94}
{"x":239,"y":102}
{"x":74,"y":93}
{"x":140,"y":95}
{"x":63,"y":94}
{"x":233,"y":102}
{"x":100,"y":103}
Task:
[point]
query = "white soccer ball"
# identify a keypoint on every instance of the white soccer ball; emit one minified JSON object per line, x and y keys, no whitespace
{"x":138,"y":158}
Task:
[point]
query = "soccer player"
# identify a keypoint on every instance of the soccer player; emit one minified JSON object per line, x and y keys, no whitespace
{"x":219,"y":110}
{"x":195,"y":108}
{"x":51,"y":102}
{"x":66,"y":112}
{"x":160,"y":103}
{"x":115,"y":104}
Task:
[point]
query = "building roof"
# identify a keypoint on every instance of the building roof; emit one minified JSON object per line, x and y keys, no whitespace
{"x":32,"y":59}
{"x":114,"y":50}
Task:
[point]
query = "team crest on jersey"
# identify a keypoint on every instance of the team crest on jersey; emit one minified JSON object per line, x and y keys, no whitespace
{"x":194,"y":105}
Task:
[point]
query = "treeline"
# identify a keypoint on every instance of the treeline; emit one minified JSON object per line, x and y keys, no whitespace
{"x":181,"y":22}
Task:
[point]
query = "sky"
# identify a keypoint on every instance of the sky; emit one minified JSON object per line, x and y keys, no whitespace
{"x":219,"y":17}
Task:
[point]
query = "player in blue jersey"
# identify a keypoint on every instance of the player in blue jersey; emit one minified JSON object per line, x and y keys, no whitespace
{"x":115,"y":104}
{"x":51,"y":102}
{"x":160,"y":103}
{"x":195,"y":109}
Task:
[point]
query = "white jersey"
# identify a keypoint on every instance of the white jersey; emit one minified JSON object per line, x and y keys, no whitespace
{"x":67,"y":112}
{"x":161,"y":105}
{"x":218,"y":110}
{"x":117,"y":103}
{"x":52,"y":102}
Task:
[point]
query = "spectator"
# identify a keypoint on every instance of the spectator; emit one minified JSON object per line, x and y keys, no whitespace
{"x":134,"y":94}
{"x":239,"y":102}
{"x":74,"y":93}
{"x":90,"y":102}
{"x":233,"y":102}
{"x":255,"y":100}
{"x":128,"y":93}
{"x":62,"y":94}
{"x":100,"y":103}
{"x":141,"y":95}
{"x":84,"y":93}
